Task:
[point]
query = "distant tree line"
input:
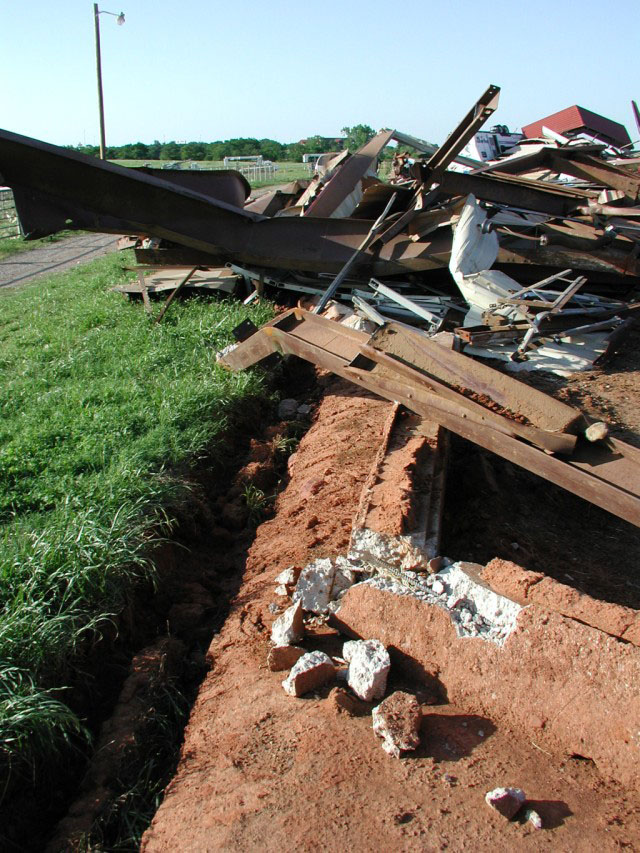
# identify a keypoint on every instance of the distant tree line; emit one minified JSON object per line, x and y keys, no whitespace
{"x":354,"y":137}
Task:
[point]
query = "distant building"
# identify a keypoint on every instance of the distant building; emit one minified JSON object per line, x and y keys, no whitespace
{"x":576,"y":120}
{"x":491,"y":144}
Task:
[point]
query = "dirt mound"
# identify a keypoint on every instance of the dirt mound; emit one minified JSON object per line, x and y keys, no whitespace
{"x":260,"y":769}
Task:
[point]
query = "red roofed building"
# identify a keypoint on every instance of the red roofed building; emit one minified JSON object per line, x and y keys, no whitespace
{"x":575,"y":120}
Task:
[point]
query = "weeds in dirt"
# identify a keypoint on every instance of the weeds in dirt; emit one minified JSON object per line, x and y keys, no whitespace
{"x":256,"y":502}
{"x":148,"y":767}
{"x":102,"y":414}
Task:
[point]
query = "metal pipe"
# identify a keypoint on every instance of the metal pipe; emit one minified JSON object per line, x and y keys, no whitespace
{"x":96,"y":17}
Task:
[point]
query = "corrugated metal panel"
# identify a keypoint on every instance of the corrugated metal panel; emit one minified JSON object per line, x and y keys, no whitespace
{"x":576,"y":118}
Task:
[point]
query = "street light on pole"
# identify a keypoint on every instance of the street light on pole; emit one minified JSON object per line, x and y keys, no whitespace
{"x":120,"y":19}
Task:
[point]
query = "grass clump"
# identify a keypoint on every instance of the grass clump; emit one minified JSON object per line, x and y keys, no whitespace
{"x":101,"y":415}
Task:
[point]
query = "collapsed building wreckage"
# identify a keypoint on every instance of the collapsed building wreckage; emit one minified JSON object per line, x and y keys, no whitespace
{"x":336,"y":236}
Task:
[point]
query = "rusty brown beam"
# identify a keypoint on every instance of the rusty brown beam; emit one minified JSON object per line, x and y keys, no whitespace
{"x":607,"y":474}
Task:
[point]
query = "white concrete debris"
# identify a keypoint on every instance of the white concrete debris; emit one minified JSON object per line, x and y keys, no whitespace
{"x":310,"y":672}
{"x":397,"y":721}
{"x":288,"y":629}
{"x":534,"y":818}
{"x":369,"y":665}
{"x":507,"y":801}
{"x":475,"y":609}
{"x":321,"y":582}
{"x":406,"y":551}
{"x":597,"y":431}
{"x":286,"y":581}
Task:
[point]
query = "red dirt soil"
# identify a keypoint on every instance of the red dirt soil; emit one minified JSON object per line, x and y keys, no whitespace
{"x":262,"y":770}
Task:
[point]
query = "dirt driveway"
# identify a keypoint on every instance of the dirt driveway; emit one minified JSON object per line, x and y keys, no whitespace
{"x":56,"y":257}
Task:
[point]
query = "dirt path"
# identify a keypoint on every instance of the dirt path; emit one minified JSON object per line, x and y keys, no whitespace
{"x":65,"y":254}
{"x":261,"y":770}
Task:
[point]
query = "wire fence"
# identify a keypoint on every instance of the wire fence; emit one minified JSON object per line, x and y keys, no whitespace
{"x":9,"y":224}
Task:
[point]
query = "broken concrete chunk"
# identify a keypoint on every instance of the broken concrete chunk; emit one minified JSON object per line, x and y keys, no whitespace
{"x":313,"y":589}
{"x":287,"y":580}
{"x":534,"y":818}
{"x":343,"y":578}
{"x":397,"y":721}
{"x":321,"y":582}
{"x":597,"y":431}
{"x":283,"y":657}
{"x":507,"y":801}
{"x":288,"y":629}
{"x":287,"y":409}
{"x":311,"y":671}
{"x":369,"y":665}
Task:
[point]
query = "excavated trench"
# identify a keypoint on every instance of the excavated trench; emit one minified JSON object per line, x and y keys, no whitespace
{"x":492,"y":509}
{"x":259,"y":768}
{"x":137,"y":682}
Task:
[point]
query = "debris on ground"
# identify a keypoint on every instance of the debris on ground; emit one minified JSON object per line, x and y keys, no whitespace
{"x":409,"y":289}
{"x":369,"y":666}
{"x":287,"y":580}
{"x":283,"y":657}
{"x":534,"y":819}
{"x":506,"y":801}
{"x":321,"y":583}
{"x":397,"y":721}
{"x":312,"y":670}
{"x":288,"y":628}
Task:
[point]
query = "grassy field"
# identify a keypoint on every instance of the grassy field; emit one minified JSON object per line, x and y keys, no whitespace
{"x":100,"y":411}
{"x":286,"y":171}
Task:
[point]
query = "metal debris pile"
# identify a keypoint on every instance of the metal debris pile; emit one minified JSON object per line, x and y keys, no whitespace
{"x":532,"y":258}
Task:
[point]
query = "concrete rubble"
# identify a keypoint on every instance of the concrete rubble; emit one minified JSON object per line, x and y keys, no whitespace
{"x":322,"y":582}
{"x":506,"y":801}
{"x":369,"y":666}
{"x":397,"y":721}
{"x":287,"y":580}
{"x":534,"y":819}
{"x":283,"y":657}
{"x":288,"y":628}
{"x":311,"y":671}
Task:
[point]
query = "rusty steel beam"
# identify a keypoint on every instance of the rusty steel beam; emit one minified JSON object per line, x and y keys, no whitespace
{"x":458,"y":138}
{"x":346,"y":178}
{"x":57,"y":189}
{"x":510,"y":190}
{"x":604,"y":473}
{"x":588,"y":168}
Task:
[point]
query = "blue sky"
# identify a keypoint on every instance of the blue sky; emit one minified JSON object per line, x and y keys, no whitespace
{"x":195,"y":70}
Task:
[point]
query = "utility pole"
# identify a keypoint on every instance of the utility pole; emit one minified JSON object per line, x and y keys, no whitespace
{"x":96,"y":15}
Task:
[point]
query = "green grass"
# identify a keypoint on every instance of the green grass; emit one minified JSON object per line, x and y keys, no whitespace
{"x":102,"y":413}
{"x":287,"y":170}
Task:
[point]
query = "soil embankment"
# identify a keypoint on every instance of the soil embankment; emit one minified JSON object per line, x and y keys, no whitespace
{"x":261,"y":769}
